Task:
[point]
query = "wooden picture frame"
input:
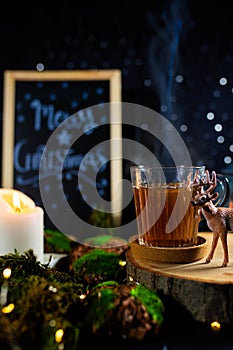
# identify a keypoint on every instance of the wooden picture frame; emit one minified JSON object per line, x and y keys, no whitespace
{"x":18,"y":82}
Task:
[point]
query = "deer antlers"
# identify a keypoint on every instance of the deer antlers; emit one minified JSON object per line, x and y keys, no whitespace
{"x":212,"y":183}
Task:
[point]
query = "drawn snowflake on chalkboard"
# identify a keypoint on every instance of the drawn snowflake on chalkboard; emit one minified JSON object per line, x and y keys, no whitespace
{"x":64,"y":138}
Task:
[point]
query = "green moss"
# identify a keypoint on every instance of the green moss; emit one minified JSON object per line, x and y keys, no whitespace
{"x":24,"y":265}
{"x":151,"y":301}
{"x":101,"y":303}
{"x":56,"y":241}
{"x":46,"y":299}
{"x":39,"y":302}
{"x":106,"y":284}
{"x":99,"y":218}
{"x":97,"y":265}
{"x":40,"y":295}
{"x":99,"y":240}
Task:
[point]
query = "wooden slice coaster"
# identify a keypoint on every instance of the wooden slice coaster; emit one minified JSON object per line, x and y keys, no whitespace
{"x":204,"y":290}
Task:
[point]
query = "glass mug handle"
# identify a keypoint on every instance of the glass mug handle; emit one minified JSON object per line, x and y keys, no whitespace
{"x":224,"y":193}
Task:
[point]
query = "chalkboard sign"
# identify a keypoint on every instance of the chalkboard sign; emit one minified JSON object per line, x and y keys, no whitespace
{"x":38,"y":104}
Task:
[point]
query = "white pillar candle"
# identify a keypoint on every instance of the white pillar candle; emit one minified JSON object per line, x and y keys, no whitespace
{"x":21,"y":224}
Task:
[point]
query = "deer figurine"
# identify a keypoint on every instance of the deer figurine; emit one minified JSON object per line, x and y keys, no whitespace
{"x":219,"y":219}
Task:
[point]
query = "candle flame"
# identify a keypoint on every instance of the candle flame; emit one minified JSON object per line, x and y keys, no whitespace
{"x":16,"y":202}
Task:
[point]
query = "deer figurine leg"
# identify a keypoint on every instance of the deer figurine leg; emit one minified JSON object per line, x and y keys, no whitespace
{"x":223,"y":237}
{"x":219,"y":219}
{"x":213,"y":247}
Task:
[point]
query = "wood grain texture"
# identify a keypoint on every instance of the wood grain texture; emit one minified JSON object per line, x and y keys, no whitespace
{"x":204,"y":290}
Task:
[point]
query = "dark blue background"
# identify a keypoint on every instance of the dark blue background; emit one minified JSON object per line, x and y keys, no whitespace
{"x":172,"y":55}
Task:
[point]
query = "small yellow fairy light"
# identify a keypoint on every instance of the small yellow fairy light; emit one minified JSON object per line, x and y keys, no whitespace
{"x":52,"y":289}
{"x":216,"y":326}
{"x":130,"y":279}
{"x":59,"y":335}
{"x":82,"y":296}
{"x":122,"y":263}
{"x":6,"y":273}
{"x":52,"y":323}
{"x":7,"y":309}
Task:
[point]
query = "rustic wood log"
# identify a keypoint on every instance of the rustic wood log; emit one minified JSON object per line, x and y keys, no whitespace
{"x":204,"y":290}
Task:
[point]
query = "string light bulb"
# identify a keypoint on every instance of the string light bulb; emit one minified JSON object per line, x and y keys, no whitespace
{"x":82,"y":296}
{"x":6,"y":273}
{"x":8,"y":309}
{"x":122,"y":263}
{"x":215,"y":325}
{"x":59,"y":335}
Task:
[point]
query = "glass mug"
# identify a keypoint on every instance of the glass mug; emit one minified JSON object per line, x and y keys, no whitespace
{"x":162,"y":199}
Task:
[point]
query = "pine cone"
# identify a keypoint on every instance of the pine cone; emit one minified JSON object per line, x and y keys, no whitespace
{"x":122,"y":314}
